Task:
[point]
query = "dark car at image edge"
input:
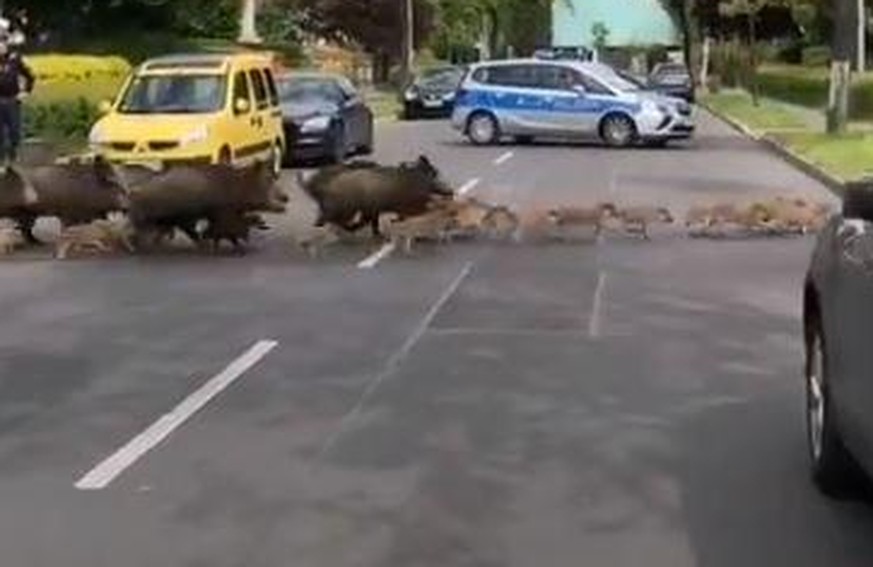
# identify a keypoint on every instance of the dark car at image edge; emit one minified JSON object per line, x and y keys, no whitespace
{"x":324,"y":117}
{"x":838,"y":326}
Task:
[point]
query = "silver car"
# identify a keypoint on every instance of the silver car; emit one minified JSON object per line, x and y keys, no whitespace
{"x":528,"y":98}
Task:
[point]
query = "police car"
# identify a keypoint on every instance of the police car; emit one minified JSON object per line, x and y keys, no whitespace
{"x":529,"y":98}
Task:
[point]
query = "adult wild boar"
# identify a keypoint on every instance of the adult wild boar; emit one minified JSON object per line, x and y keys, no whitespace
{"x":16,"y":195}
{"x":180,"y":196}
{"x":353,"y":197}
{"x":75,"y":193}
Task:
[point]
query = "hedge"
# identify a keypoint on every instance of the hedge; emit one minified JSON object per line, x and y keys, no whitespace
{"x":62,"y":120}
{"x":809,"y":87}
{"x":68,"y":88}
{"x":51,"y":68}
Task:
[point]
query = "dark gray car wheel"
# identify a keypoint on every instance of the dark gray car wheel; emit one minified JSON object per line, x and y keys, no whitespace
{"x":482,"y":129}
{"x":833,"y":469}
{"x":618,"y":131}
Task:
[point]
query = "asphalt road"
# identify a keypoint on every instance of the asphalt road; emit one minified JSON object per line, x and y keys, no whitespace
{"x":611,"y":403}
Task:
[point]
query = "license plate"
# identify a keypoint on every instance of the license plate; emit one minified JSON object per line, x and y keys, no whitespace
{"x":433,"y":103}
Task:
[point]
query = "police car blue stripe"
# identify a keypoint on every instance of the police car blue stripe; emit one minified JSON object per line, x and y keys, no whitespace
{"x":543,"y":102}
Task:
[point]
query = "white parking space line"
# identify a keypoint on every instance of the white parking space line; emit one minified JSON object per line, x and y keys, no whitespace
{"x":395,"y":361}
{"x":596,"y":307}
{"x":503,"y":158}
{"x":613,"y":182}
{"x":370,"y":261}
{"x":468,"y":186}
{"x":104,"y":473}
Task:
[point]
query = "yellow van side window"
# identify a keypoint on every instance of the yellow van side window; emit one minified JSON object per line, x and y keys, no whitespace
{"x":240,"y":87}
{"x":260,"y":89}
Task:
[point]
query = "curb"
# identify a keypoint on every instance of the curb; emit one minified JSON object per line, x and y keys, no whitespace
{"x":774,"y":146}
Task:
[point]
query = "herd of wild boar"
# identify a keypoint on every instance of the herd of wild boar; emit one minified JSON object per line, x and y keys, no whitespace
{"x":106,"y":208}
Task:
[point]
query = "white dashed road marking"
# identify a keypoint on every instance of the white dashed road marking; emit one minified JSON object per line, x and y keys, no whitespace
{"x":503,"y":158}
{"x":468,"y":186}
{"x":377,"y":256}
{"x":596,"y":307}
{"x":104,"y":473}
{"x":394,"y":362}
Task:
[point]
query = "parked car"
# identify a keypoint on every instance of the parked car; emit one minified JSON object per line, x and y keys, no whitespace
{"x":324,"y":117}
{"x":672,"y":79}
{"x":194,"y":109}
{"x":838,"y":324}
{"x":432,"y":92}
{"x":529,"y":98}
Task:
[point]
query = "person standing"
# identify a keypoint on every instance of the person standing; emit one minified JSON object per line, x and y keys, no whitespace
{"x":16,"y":82}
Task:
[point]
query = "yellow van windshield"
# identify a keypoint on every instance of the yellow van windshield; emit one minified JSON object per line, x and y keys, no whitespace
{"x":174,"y":94}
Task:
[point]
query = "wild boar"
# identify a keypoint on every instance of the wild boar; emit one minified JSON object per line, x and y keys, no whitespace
{"x":102,"y":236}
{"x":16,"y":196}
{"x":566,"y":217}
{"x":501,"y":223}
{"x":435,"y":224}
{"x":636,"y":219}
{"x":233,"y":226}
{"x":355,"y":197}
{"x":181,"y":196}
{"x":10,"y":239}
{"x":75,"y":193}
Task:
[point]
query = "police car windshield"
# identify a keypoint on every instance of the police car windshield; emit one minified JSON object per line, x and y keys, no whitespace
{"x":174,"y":94}
{"x":613,"y":80}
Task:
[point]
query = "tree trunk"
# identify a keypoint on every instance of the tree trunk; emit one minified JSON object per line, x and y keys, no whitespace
{"x":838,"y":99}
{"x":704,"y":63}
{"x":381,"y":68}
{"x":408,"y":40}
{"x":861,"y":46}
{"x":753,"y":59}
{"x":247,"y":31}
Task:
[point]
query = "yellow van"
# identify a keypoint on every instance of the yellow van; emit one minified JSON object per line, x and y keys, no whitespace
{"x":215,"y":108}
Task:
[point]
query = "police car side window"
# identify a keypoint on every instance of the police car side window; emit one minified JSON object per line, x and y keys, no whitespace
{"x":592,"y":85}
{"x":512,"y":76}
{"x":553,"y":77}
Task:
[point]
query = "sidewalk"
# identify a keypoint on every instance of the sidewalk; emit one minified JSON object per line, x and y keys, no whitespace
{"x":798,"y":134}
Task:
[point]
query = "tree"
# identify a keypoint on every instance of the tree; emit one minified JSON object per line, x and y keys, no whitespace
{"x":375,"y":25}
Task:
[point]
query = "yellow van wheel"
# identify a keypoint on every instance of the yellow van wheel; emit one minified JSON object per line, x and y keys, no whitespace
{"x":276,"y":159}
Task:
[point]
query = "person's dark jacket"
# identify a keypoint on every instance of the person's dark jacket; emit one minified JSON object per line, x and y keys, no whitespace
{"x":13,"y":68}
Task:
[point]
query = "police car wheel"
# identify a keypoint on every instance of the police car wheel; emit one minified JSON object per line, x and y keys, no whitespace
{"x":482,"y":129}
{"x":618,"y":131}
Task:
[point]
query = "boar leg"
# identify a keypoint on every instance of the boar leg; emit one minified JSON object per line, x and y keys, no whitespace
{"x":25,"y":223}
{"x":374,"y":226}
{"x":62,"y":249}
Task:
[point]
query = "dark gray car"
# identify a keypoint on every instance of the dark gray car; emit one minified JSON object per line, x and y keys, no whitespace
{"x":838,"y":327}
{"x":324,"y":116}
{"x":432,"y":93}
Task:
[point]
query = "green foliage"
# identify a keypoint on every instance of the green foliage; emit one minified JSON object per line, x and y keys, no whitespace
{"x":206,"y":18}
{"x":808,"y":86}
{"x":730,"y":61}
{"x":764,"y":117}
{"x":816,"y":55}
{"x":600,"y":33}
{"x":279,"y":22}
{"x":60,"y":120}
{"x":846,"y":156}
